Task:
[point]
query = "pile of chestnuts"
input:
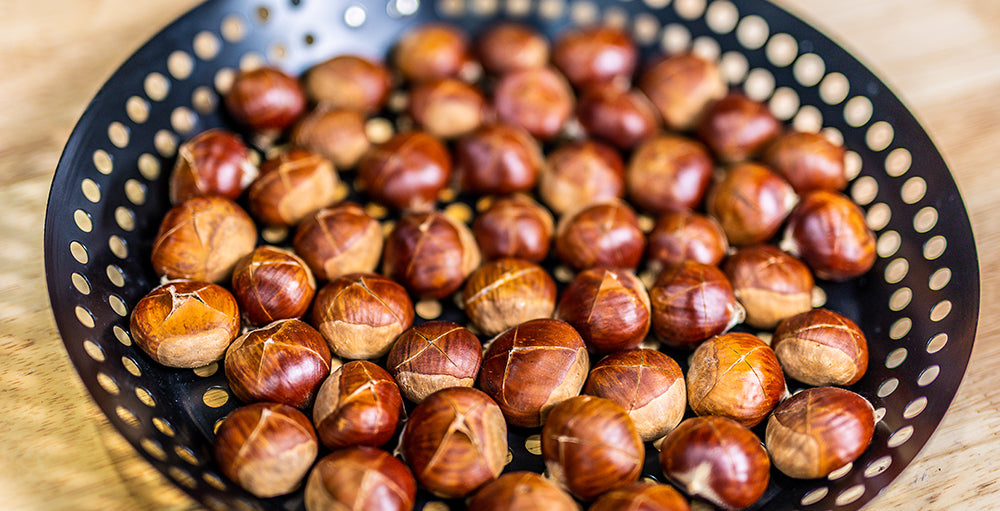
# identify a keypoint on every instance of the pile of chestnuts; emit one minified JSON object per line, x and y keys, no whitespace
{"x":633,"y":229}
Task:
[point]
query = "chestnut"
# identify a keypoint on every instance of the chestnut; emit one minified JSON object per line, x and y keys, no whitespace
{"x":683,"y":234}
{"x":430,"y":253}
{"x":735,"y":375}
{"x":349,"y":82}
{"x":497,"y":158}
{"x":359,"y":404}
{"x":605,"y":234}
{"x":272,"y":283}
{"x":581,"y":173}
{"x":213,"y":162}
{"x":407,"y":171}
{"x":828,"y":231}
{"x":737,"y":128}
{"x":265,"y":99}
{"x":642,"y":496}
{"x":432,"y":356}
{"x":185,"y":323}
{"x":511,"y":46}
{"x":338,"y":240}
{"x":265,"y":448}
{"x":361,"y":314}
{"x":821,"y":347}
{"x":682,"y":86}
{"x":430,"y":51}
{"x":770,"y":284}
{"x":590,"y":446}
{"x":514,"y":226}
{"x":202,"y":238}
{"x":447,"y":107}
{"x":819,"y":430}
{"x":291,"y":186}
{"x":529,"y":368}
{"x":283,"y":362}
{"x":521,"y":491}
{"x":360,"y":478}
{"x":598,"y":53}
{"x":668,"y":172}
{"x":538,"y":100}
{"x":609,"y":308}
{"x":808,"y":161}
{"x":337,"y":135}
{"x":455,"y":441}
{"x":717,"y":459}
{"x":691,"y":302}
{"x":751,"y":203}
{"x":647,"y":384}
{"x":506,"y":292}
{"x":621,"y":116}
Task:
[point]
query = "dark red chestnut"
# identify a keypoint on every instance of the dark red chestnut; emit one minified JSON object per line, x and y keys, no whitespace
{"x":511,"y":46}
{"x":668,"y":172}
{"x":828,"y":231}
{"x":213,"y":162}
{"x":407,"y":171}
{"x":621,"y":116}
{"x":447,"y":107}
{"x":821,"y":347}
{"x":737,"y":128}
{"x":497,"y":158}
{"x":361,"y":314}
{"x":514,"y":226}
{"x":430,"y":253}
{"x":609,"y":308}
{"x":272,"y":283}
{"x":338,"y":240}
{"x":605,"y":234}
{"x":682,"y":87}
{"x":360,"y":478}
{"x":430,"y":51}
{"x":683,"y":234}
{"x":521,"y":491}
{"x":337,"y":135}
{"x":538,"y":100}
{"x":265,"y":99}
{"x":599,"y":53}
{"x":432,"y":356}
{"x":359,"y":404}
{"x":506,"y":292}
{"x":349,"y":82}
{"x":642,"y":496}
{"x":292,"y":186}
{"x":809,"y":161}
{"x":581,"y":173}
{"x":691,"y":302}
{"x":751,"y":203}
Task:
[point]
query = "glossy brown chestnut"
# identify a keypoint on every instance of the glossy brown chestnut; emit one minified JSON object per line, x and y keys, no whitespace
{"x":717,"y":459}
{"x":668,"y":172}
{"x":642,"y":496}
{"x":272,"y":283}
{"x":538,"y":100}
{"x":430,"y":253}
{"x":498,"y":158}
{"x":361,"y":314}
{"x":360,"y":478}
{"x":337,"y":135}
{"x":621,"y":116}
{"x":599,"y":53}
{"x":735,"y":375}
{"x":283,"y":362}
{"x":521,"y":491}
{"x":605,"y":234}
{"x":185,"y":323}
{"x":511,"y":46}
{"x":432,"y":356}
{"x":821,"y":347}
{"x":447,"y":107}
{"x":682,"y":87}
{"x":514,"y":226}
{"x":647,"y":384}
{"x":213,"y":162}
{"x":691,"y":302}
{"x":430,"y":51}
{"x":683,"y":234}
{"x":507,"y":292}
{"x":407,"y":171}
{"x":531,"y":367}
{"x":737,"y":128}
{"x":265,"y":99}
{"x":609,"y":308}
{"x":455,"y":441}
{"x":751,"y":203}
{"x":349,"y":82}
{"x":770,"y":284}
{"x":359,"y":404}
{"x":828,"y":231}
{"x":581,"y":173}
{"x":202,"y":238}
{"x":590,"y":446}
{"x":338,"y":240}
{"x":292,"y":186}
{"x":266,"y":448}
{"x":819,"y":430}
{"x":808,"y":161}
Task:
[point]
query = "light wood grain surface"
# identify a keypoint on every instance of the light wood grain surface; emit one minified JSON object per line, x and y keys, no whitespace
{"x":57,"y":451}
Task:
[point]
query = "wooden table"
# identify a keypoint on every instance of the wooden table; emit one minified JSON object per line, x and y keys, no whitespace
{"x":57,"y":451}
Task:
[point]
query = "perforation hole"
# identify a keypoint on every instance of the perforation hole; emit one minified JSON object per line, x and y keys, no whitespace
{"x":125,"y":218}
{"x":895,"y":358}
{"x":657,"y":4}
{"x":223,"y":79}
{"x":815,"y":496}
{"x":644,"y":28}
{"x":900,"y":328}
{"x":206,"y":45}
{"x":153,"y":448}
{"x":782,"y":49}
{"x":675,"y":38}
{"x":915,"y":407}
{"x":206,"y":370}
{"x":928,"y":375}
{"x":857,"y":111}
{"x":759,"y":84}
{"x":145,"y":397}
{"x":784,"y":103}
{"x":900,"y":299}
{"x":84,"y":316}
{"x":852,"y":165}
{"x":817,"y":297}
{"x":533,"y":444}
{"x":156,"y":86}
{"x":108,"y":384}
{"x":887,"y":387}
{"x":180,"y":65}
{"x":263,"y":14}
{"x":165,"y":143}
{"x":118,"y":246}
{"x":722,"y":17}
{"x":865,"y":190}
{"x":809,"y":69}
{"x":935,"y":247}
{"x":888,"y":243}
{"x":187,"y":455}
{"x":251,"y":60}
{"x":204,"y":100}
{"x":163,"y":426}
{"x":182,"y":478}
{"x":137,"y":109}
{"x":233,"y":28}
{"x":896,"y":270}
{"x":93,"y":350}
{"x":82,"y":220}
{"x":900,"y":437}
{"x":115,"y":276}
{"x":131,"y":366}
{"x":808,"y":118}
{"x":182,"y":119}
{"x":937,"y":343}
{"x":451,"y":8}
{"x":127,"y":416}
{"x":834,"y":88}
{"x":925,"y":219}
{"x":214,"y":481}
{"x":879,"y":414}
{"x":583,"y":13}
{"x":706,"y":48}
{"x":850,"y":495}
{"x":90,"y":190}
{"x":733,"y":66}
{"x":79,"y":252}
{"x":102,"y":161}
{"x":121,"y":335}
{"x":118,"y":134}
{"x":80,"y":283}
{"x":941,"y":310}
{"x":215,"y":397}
{"x":833,"y":135}
{"x":878,"y":216}
{"x":913,"y":190}
{"x":689,"y":9}
{"x":840,"y":472}
{"x":939,"y":279}
{"x":752,"y":32}
{"x":879,"y":136}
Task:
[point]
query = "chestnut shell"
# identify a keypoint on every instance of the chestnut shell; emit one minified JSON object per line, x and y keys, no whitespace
{"x":359,"y":404}
{"x":691,"y":302}
{"x":407,"y":171}
{"x":360,"y":478}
